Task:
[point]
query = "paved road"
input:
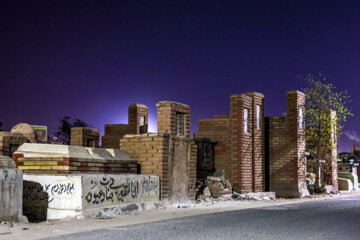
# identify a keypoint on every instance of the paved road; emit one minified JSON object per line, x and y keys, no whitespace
{"x":328,"y":219}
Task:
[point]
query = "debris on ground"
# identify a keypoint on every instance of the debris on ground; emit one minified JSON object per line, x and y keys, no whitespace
{"x":214,"y":189}
{"x":257,"y":196}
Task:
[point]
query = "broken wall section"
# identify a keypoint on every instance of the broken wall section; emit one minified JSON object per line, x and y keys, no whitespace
{"x":137,"y":124}
{"x":170,"y":154}
{"x":85,"y":137}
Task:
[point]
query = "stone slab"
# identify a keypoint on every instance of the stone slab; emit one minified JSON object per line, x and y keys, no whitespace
{"x":289,"y":190}
{"x":11,"y":188}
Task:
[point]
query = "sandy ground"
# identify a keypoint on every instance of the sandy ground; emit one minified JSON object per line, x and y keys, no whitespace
{"x":60,"y":227}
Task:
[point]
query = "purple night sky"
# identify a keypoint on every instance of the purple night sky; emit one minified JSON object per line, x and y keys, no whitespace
{"x":91,"y":59}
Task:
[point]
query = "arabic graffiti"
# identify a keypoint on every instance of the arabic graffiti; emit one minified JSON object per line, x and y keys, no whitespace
{"x":107,"y":190}
{"x":33,"y":191}
{"x":149,"y":185}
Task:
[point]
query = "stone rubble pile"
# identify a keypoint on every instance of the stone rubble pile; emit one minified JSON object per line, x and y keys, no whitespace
{"x":213,"y":188}
{"x":220,"y":189}
{"x":255,"y":196}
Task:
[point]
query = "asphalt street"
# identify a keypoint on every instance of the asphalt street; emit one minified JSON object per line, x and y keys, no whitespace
{"x":327,"y":219}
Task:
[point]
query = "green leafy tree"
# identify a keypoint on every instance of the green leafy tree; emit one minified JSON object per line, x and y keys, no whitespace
{"x":63,"y":133}
{"x":326,"y":112}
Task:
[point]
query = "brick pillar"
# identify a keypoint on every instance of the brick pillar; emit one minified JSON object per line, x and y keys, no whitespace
{"x":333,"y":162}
{"x":241,"y":143}
{"x":297,"y":140}
{"x":85,"y":137}
{"x":136,"y":111}
{"x":167,"y":118}
{"x":258,"y":146}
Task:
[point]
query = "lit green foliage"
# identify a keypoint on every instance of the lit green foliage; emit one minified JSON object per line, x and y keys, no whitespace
{"x":326,"y":112}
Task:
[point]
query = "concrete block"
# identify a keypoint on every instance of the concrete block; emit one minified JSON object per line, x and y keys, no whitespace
{"x":350,"y":176}
{"x":289,"y":190}
{"x":11,"y":188}
{"x":58,"y":197}
{"x":345,"y":184}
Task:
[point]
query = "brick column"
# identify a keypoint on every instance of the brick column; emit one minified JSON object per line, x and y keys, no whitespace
{"x":166,"y":117}
{"x":134,"y":114}
{"x":333,"y":162}
{"x":258,"y":146}
{"x":297,"y":141}
{"x":241,"y":143}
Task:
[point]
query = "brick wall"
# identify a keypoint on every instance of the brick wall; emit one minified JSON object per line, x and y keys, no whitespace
{"x":239,"y":153}
{"x":114,"y":132}
{"x":86,"y":137}
{"x":286,"y":149}
{"x":157,"y":155}
{"x":218,"y":128}
{"x":9,"y":142}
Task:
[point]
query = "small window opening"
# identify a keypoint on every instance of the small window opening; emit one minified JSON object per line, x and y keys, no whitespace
{"x":180,"y":124}
{"x":246,"y":120}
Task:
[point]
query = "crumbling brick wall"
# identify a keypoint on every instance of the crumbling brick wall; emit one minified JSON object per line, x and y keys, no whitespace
{"x":170,"y":154}
{"x":157,"y":154}
{"x":239,"y":149}
{"x":114,"y":132}
{"x":85,"y":137}
{"x":218,"y":128}
{"x":286,"y":149}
